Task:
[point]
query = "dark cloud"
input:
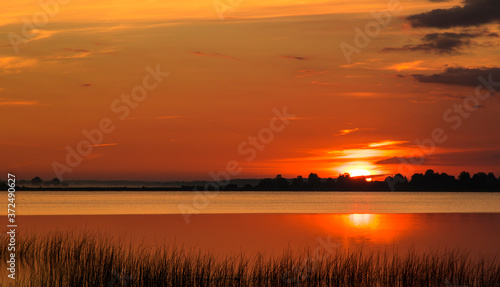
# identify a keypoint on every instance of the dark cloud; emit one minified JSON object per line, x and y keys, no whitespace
{"x":294,"y":57}
{"x":439,"y":1}
{"x":399,"y":160}
{"x":77,"y":50}
{"x":214,"y":55}
{"x":440,"y":43}
{"x":461,"y":76}
{"x":473,"y":13}
{"x":86,"y":85}
{"x":486,"y":157}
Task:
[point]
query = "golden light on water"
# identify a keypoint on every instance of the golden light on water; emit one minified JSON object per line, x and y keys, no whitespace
{"x":362,"y":220}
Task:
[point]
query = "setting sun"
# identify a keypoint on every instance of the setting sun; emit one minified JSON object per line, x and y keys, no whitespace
{"x":358,"y":172}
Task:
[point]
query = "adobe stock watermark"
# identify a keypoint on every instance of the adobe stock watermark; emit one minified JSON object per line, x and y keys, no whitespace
{"x":31,"y":27}
{"x":299,"y":274}
{"x":455,"y":116}
{"x":223,"y":6}
{"x":363,"y":37}
{"x":121,"y":108}
{"x":249,"y":148}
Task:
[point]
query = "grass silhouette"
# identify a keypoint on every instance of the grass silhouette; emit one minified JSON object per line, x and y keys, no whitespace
{"x":66,"y":259}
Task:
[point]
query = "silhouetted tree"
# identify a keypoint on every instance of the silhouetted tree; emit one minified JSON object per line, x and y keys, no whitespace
{"x":314,"y":181}
{"x":247,"y":187}
{"x":464,"y":177}
{"x":417,"y":180}
{"x":445,"y":181}
{"x":266,"y":184}
{"x":433,"y":181}
{"x":281,"y":183}
{"x":482,"y":180}
{"x":297,"y":183}
{"x":329,"y":184}
{"x":399,"y":182}
{"x":464,"y":180}
{"x":343,"y":181}
{"x":36,"y":181}
{"x":3,"y":185}
{"x":231,"y":187}
{"x":277,"y":183}
{"x":55,"y":182}
{"x":429,"y":173}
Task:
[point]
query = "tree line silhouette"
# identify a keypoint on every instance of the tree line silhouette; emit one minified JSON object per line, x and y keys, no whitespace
{"x":428,"y":181}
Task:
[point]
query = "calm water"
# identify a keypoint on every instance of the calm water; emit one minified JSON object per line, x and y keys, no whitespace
{"x":129,"y":202}
{"x":232,"y":222}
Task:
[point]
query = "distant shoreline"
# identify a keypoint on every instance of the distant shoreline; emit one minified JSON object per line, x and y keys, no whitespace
{"x":191,"y":189}
{"x":429,"y":181}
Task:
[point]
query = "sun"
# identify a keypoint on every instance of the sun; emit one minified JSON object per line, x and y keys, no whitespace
{"x":358,"y":172}
{"x":360,"y":169}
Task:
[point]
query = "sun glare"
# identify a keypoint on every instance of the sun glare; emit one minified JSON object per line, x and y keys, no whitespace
{"x":358,"y":172}
{"x":360,"y":169}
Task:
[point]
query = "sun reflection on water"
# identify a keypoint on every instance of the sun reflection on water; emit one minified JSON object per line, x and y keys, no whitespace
{"x":362,"y":220}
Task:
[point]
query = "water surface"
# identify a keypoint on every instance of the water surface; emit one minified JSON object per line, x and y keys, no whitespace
{"x":232,"y":222}
{"x":140,"y":202}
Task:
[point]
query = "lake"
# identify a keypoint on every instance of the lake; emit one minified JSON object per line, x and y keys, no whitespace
{"x":231,"y":222}
{"x":139,"y":202}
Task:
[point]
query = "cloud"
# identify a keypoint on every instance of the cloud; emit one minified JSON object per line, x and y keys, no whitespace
{"x":40,"y":34}
{"x":321,"y":83}
{"x":460,"y":76}
{"x":86,"y":85}
{"x":346,"y":131}
{"x":440,"y":43}
{"x":486,"y":157}
{"x":400,"y":160}
{"x":108,"y":144}
{"x":157,"y":118}
{"x":78,"y":50}
{"x":214,"y":55}
{"x":357,"y":153}
{"x":309,"y":73}
{"x":96,"y":145}
{"x":13,"y":64}
{"x":70,"y":53}
{"x":473,"y":13}
{"x":387,"y":143}
{"x":415,"y":65}
{"x":168,"y":117}
{"x":294,"y":57}
{"x":19,"y":103}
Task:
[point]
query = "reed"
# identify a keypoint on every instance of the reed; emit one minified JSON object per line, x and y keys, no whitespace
{"x":67,"y":259}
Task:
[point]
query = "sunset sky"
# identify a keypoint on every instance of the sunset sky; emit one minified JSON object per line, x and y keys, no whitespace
{"x":228,"y":73}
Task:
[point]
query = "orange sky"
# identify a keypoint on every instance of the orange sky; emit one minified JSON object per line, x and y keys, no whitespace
{"x":226,"y":75}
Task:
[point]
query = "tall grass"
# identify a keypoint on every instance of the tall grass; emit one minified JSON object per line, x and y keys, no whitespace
{"x":65,"y":259}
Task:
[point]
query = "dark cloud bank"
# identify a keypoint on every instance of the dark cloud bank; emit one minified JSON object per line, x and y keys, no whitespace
{"x":440,"y":43}
{"x":473,"y":13}
{"x":461,"y":76}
